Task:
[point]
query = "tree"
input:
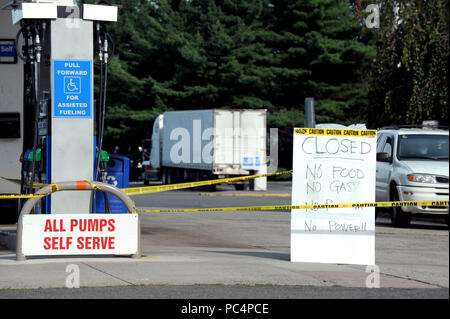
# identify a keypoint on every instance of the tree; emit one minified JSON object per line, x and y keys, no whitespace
{"x":410,"y":73}
{"x":320,"y":56}
{"x":225,"y":62}
{"x":199,"y":54}
{"x":319,"y":53}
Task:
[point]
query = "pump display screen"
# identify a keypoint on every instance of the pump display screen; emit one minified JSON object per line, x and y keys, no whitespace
{"x":72,"y":88}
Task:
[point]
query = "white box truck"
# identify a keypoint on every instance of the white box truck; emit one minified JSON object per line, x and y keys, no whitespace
{"x":209,"y":144}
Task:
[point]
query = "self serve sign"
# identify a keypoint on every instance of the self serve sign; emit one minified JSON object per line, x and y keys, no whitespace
{"x":71,"y":234}
{"x":72,"y":96}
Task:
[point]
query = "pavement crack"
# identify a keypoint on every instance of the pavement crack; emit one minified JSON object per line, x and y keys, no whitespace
{"x":412,"y":279}
{"x":108,"y":274}
{"x":403,"y":278}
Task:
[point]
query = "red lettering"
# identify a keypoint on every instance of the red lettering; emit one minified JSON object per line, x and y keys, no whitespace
{"x":111,"y":243}
{"x":89,"y":224}
{"x":95,"y":243}
{"x":80,"y":244}
{"x":104,"y":242}
{"x":83,"y":225}
{"x":103,"y":223}
{"x":68,"y":242}
{"x":61,"y":225}
{"x":51,"y":225}
{"x":48,"y":226}
{"x":87,"y":242}
{"x":57,"y":243}
{"x":54,"y":243}
{"x":47,"y":243}
{"x":93,"y":225}
{"x":111,"y":225}
{"x":73,"y":224}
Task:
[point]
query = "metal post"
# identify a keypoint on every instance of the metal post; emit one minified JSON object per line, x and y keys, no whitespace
{"x":309,"y":112}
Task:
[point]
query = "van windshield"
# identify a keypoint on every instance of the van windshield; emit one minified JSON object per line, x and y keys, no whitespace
{"x":426,"y":146}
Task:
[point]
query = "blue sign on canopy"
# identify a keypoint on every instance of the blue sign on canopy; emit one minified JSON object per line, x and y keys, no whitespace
{"x":8,"y":51}
{"x":72,"y":89}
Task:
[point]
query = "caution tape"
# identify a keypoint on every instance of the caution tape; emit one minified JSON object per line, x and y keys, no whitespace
{"x":54,"y":188}
{"x":335,"y":132}
{"x":163,"y":188}
{"x":289,"y":207}
{"x":94,"y":186}
{"x":14,"y":196}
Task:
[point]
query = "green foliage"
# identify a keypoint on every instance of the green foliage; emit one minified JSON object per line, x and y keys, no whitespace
{"x":320,"y":57}
{"x":254,"y":54}
{"x":409,"y":78}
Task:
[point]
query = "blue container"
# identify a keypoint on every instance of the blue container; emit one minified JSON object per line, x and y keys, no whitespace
{"x":118,"y":169}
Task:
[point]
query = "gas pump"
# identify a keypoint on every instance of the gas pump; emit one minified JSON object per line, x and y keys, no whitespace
{"x":60,"y":45}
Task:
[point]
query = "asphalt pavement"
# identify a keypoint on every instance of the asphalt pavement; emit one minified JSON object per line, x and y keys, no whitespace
{"x":233,"y":255}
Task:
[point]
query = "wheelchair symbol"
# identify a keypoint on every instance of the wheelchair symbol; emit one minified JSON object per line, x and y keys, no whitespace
{"x":72,"y":85}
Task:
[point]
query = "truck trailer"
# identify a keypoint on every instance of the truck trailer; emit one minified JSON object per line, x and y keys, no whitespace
{"x":202,"y":145}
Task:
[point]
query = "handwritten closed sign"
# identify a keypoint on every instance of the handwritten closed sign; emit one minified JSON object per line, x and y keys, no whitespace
{"x":333,"y":166}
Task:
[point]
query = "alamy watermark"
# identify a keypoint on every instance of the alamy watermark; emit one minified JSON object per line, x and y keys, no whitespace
{"x":225,"y":145}
{"x":373,"y":19}
{"x":72,"y":20}
{"x":373,"y":279}
{"x":73,"y":278}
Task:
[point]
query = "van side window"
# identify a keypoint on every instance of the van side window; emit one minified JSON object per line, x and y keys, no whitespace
{"x":380,"y":142}
{"x":388,"y":146}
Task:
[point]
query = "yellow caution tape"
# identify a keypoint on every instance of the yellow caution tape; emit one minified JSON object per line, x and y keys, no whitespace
{"x":14,"y":196}
{"x":94,"y":186}
{"x":289,"y":207}
{"x":335,"y":132}
{"x":163,"y":188}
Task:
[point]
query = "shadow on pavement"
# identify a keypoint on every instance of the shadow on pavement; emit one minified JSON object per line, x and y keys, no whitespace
{"x":430,"y":222}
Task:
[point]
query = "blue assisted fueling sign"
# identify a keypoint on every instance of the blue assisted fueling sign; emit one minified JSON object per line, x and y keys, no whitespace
{"x":72,"y":88}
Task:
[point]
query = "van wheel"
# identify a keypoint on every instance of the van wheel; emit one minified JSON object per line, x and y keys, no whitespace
{"x":398,"y":216}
